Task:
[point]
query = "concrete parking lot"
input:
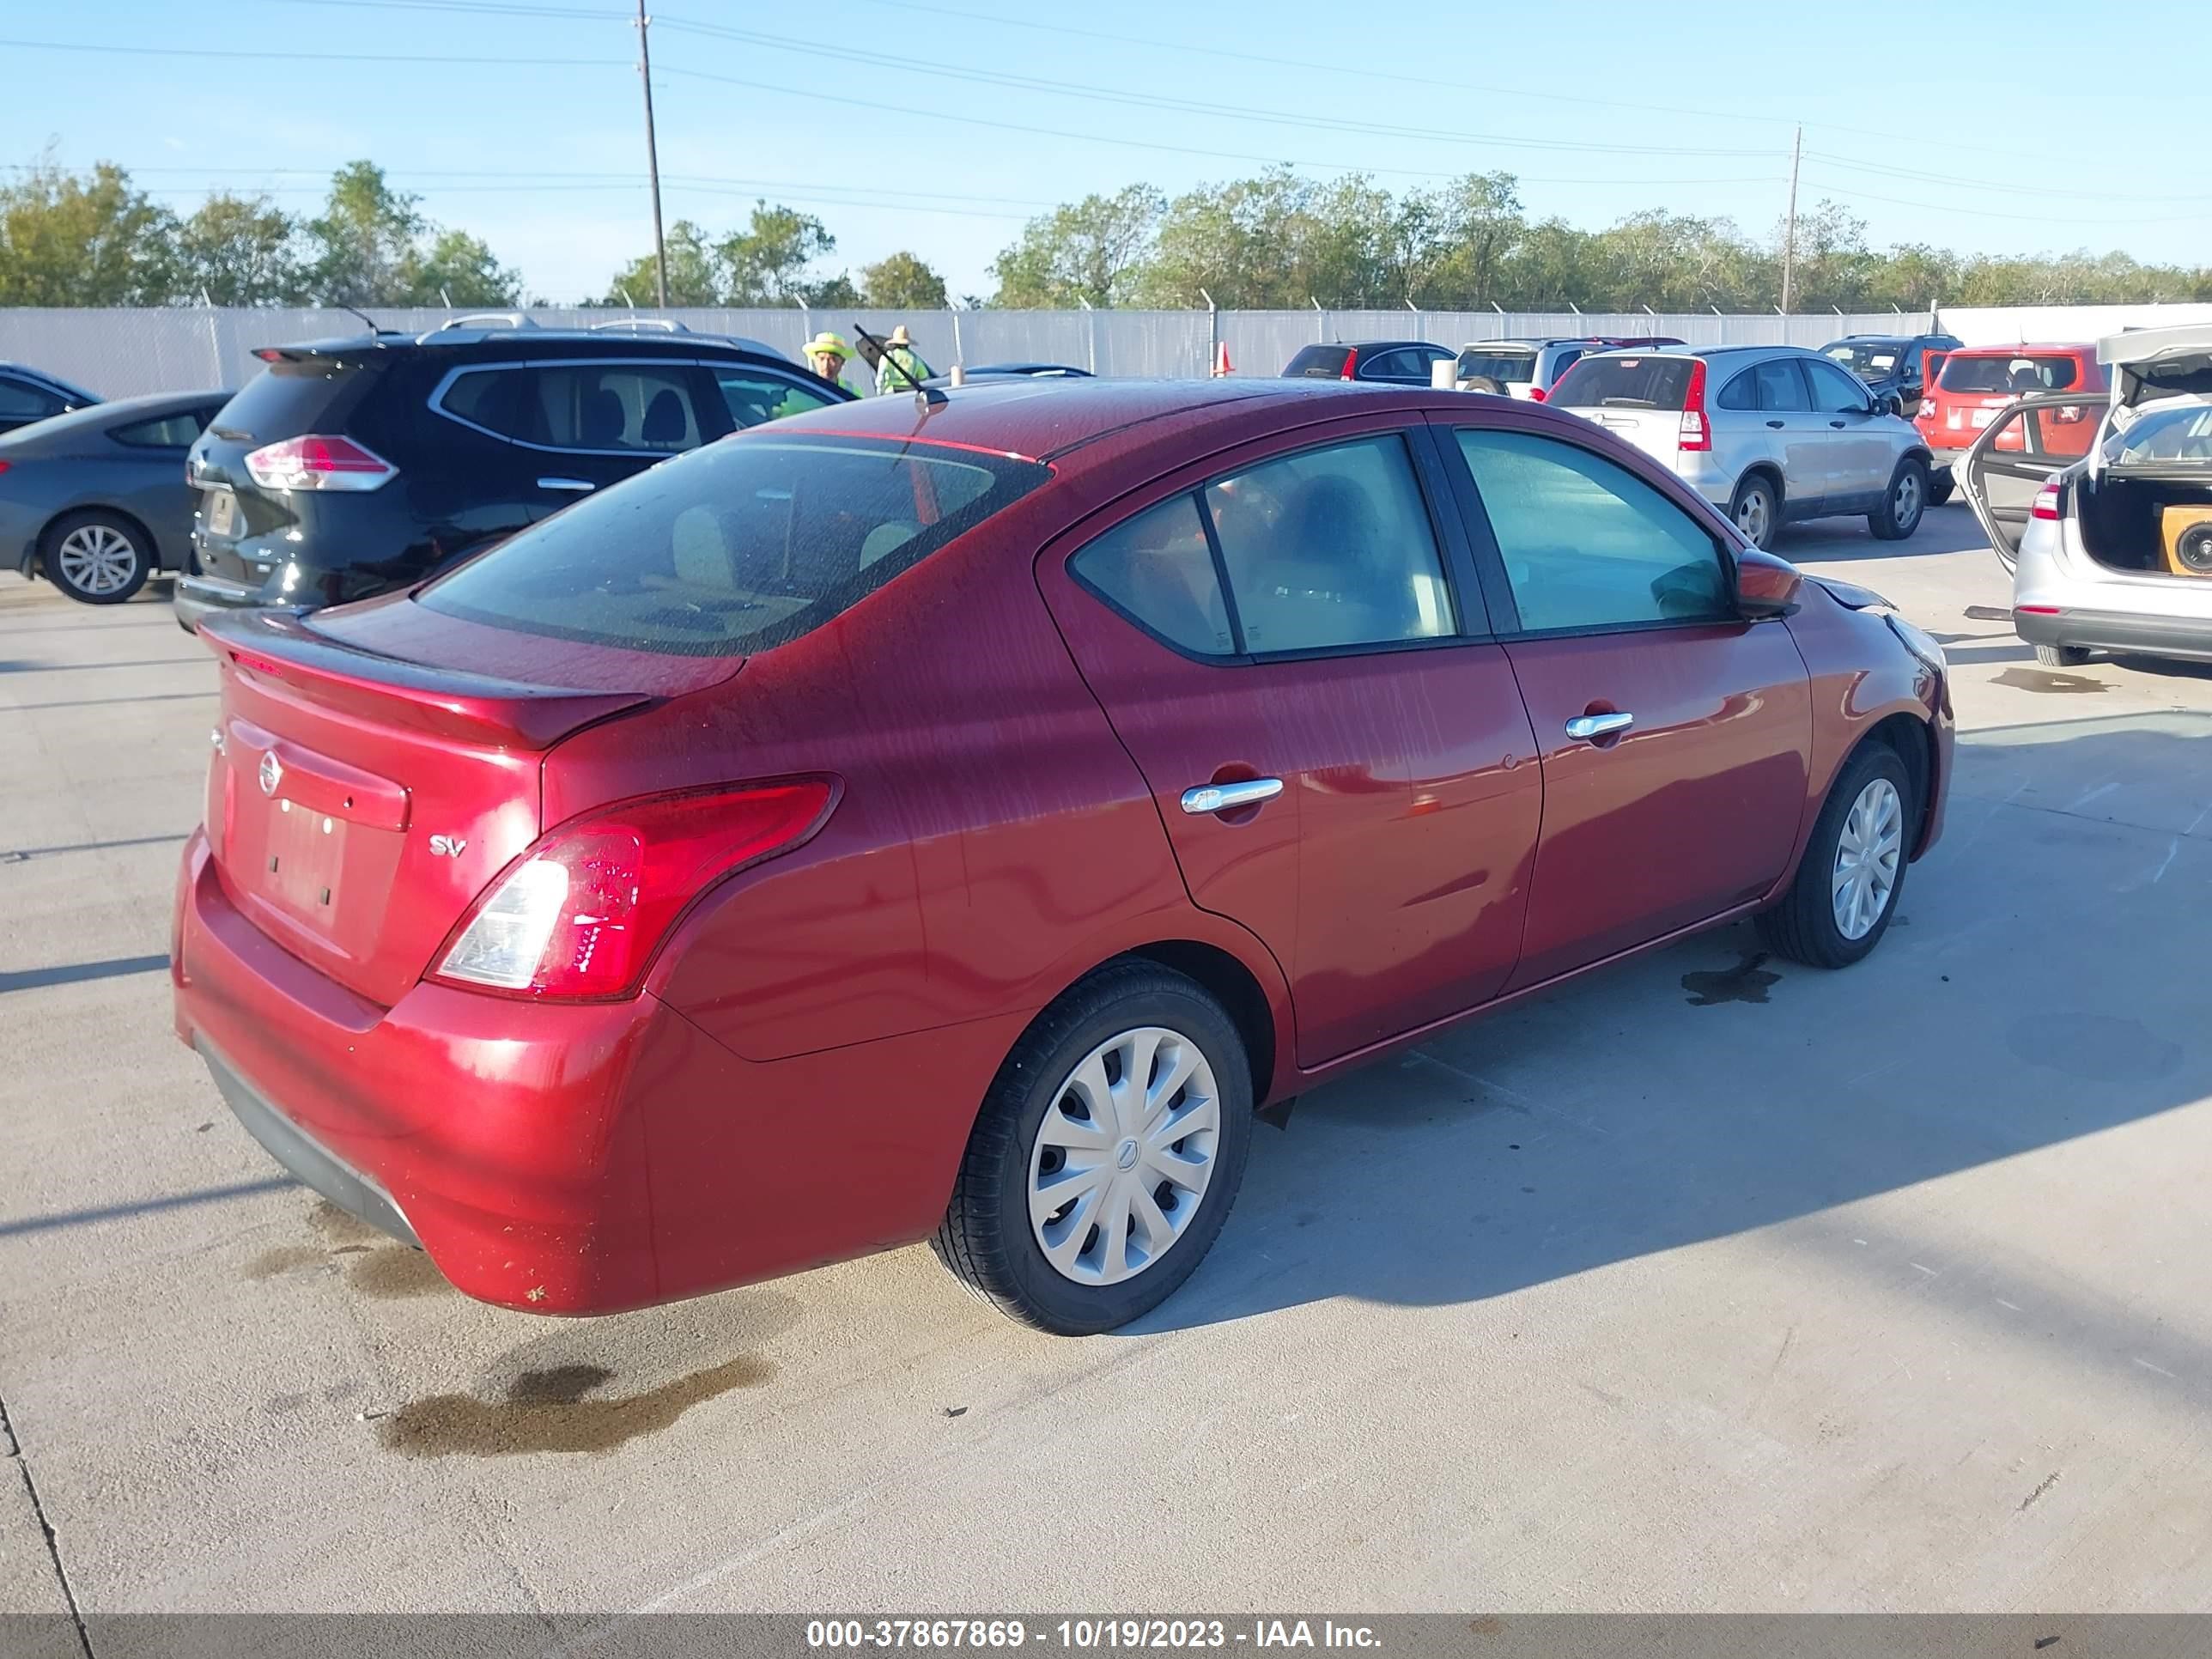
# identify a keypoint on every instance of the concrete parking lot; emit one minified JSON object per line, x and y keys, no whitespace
{"x":1711,"y":1283}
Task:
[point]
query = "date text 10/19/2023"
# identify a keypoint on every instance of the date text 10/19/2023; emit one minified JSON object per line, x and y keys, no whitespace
{"x":1087,"y":1635}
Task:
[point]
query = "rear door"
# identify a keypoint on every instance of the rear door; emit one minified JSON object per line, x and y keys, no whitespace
{"x":1290,"y":645}
{"x":2017,"y":455}
{"x":1675,"y":736}
{"x":1794,"y":435}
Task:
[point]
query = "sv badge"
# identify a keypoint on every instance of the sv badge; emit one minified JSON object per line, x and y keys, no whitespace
{"x":446,"y":847}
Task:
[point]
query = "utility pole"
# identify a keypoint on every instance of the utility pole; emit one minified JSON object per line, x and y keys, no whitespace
{"x":652,"y":153}
{"x":1789,"y":225}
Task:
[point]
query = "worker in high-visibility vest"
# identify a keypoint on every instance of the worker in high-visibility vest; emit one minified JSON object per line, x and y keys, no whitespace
{"x":899,"y":350}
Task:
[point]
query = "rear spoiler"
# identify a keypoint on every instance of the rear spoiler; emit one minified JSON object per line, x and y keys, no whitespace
{"x":278,"y":647}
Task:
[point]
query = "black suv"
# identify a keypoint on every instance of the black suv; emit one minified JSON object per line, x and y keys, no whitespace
{"x":1892,"y":365}
{"x":1386,"y":362}
{"x":347,"y":468}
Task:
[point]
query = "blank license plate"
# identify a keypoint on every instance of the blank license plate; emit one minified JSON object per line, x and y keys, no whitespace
{"x":306,"y":851}
{"x":222,"y":512}
{"x":1984,"y":416}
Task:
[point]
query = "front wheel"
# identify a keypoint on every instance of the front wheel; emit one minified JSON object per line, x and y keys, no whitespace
{"x":1106,"y":1155}
{"x":1756,"y":510}
{"x":1898,"y":515}
{"x":1845,"y":892}
{"x":96,"y":558}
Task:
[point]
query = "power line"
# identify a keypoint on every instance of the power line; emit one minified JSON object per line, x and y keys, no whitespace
{"x":501,"y":59}
{"x":1299,"y":119}
{"x":1854,"y":194}
{"x":1921,"y":175}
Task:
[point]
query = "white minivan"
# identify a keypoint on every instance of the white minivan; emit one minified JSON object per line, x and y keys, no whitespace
{"x":1771,"y":434}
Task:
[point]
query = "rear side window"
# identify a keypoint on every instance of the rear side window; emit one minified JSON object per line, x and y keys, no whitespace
{"x":287,"y":399}
{"x":1317,"y":362}
{"x":1331,"y":548}
{"x":619,"y":407}
{"x":755,"y":396}
{"x":492,"y":398}
{"x":1610,"y":382}
{"x":1779,"y":388}
{"x":21,"y":401}
{"x":1159,"y":568}
{"x":1512,"y":367}
{"x":1741,"y":393}
{"x":2013,"y":375}
{"x":734,"y":547}
{"x":166,"y":432}
{"x":1586,"y":545}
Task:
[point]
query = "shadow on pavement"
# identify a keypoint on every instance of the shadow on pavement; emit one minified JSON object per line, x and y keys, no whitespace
{"x":2042,"y":982}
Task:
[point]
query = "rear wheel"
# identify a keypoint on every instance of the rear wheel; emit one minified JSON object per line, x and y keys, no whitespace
{"x":1106,"y":1155}
{"x":96,"y":558}
{"x":1755,"y":510}
{"x":1898,"y":516}
{"x":1847,"y":884}
{"x":2062,"y":656}
{"x":1940,"y":486}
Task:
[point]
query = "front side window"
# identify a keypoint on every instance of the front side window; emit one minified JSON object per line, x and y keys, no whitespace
{"x":1330,"y":548}
{"x":21,"y":401}
{"x":1586,"y":544}
{"x":164,"y":432}
{"x":755,"y":396}
{"x":734,"y":547}
{"x":1157,"y":568}
{"x":1835,"y":392}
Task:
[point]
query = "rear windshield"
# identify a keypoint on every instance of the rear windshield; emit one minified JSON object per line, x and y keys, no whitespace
{"x":286,"y":399}
{"x":1319,"y":363}
{"x":734,"y":547}
{"x":1625,"y":383}
{"x":1869,"y":359}
{"x":2013,"y":375}
{"x":1518,"y":367}
{"x":2182,"y":433}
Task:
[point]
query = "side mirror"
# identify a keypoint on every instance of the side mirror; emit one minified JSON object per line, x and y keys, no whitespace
{"x":1765,"y":586}
{"x":1893,"y":404}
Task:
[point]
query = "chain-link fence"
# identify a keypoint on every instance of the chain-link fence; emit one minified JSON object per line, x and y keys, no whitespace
{"x":118,"y":353}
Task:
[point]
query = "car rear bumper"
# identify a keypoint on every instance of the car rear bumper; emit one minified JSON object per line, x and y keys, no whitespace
{"x":2185,"y":637}
{"x":581,"y":1158}
{"x":196,"y":596}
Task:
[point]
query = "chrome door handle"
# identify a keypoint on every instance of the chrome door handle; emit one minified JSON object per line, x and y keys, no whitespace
{"x":1583,"y":727}
{"x":565,"y":483}
{"x":1223,"y":796}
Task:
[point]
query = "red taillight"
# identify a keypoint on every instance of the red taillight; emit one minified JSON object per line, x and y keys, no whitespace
{"x":314,"y":462}
{"x":1537,"y":395}
{"x":1351,"y":362}
{"x":2045,"y":505}
{"x":578,"y":917}
{"x":2036,"y":610}
{"x":5,"y":465}
{"x":1695,"y":434}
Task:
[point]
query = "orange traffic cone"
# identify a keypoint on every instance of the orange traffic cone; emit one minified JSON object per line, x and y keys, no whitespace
{"x":1221,"y":360}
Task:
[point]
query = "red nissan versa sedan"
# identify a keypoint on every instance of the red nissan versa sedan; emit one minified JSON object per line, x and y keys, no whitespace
{"x":953,"y":821}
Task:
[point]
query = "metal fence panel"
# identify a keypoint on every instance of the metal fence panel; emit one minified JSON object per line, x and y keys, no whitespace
{"x":118,"y":353}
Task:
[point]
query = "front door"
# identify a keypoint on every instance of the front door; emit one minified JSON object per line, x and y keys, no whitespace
{"x":1291,"y":648}
{"x":1674,"y":735}
{"x":1859,"y":447}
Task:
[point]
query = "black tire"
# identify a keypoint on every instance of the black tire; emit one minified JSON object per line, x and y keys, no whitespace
{"x":987,"y":1239}
{"x":1757,"y":487}
{"x":1902,"y":503}
{"x":76,"y":537}
{"x":1803,"y":927}
{"x":1940,"y":485}
{"x":2062,"y":656}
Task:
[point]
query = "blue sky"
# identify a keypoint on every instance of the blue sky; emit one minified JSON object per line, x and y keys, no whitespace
{"x":940,"y":126}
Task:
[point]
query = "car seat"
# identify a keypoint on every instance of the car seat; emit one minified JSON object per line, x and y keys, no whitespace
{"x":601,"y":427}
{"x":666,"y":423}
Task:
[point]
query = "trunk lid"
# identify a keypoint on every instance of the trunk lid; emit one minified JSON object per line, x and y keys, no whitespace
{"x":364,"y":790}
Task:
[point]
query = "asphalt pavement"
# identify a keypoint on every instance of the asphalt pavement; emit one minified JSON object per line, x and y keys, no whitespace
{"x":1710,"y":1283}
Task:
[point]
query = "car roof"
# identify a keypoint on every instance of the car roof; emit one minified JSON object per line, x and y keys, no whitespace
{"x":1086,"y":421}
{"x":528,"y":343}
{"x":2081,"y":347}
{"x":1368,"y":345}
{"x":44,"y":378}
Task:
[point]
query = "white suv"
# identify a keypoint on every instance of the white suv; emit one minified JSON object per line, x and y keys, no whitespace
{"x":1771,"y":434}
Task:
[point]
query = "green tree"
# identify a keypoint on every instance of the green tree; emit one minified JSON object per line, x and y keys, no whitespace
{"x":83,"y":239}
{"x":765,"y":264}
{"x":238,"y":250}
{"x":1088,"y":250}
{"x":901,"y":282}
{"x":359,"y":247}
{"x":837,"y":293}
{"x":693,"y":277}
{"x":456,"y":268}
